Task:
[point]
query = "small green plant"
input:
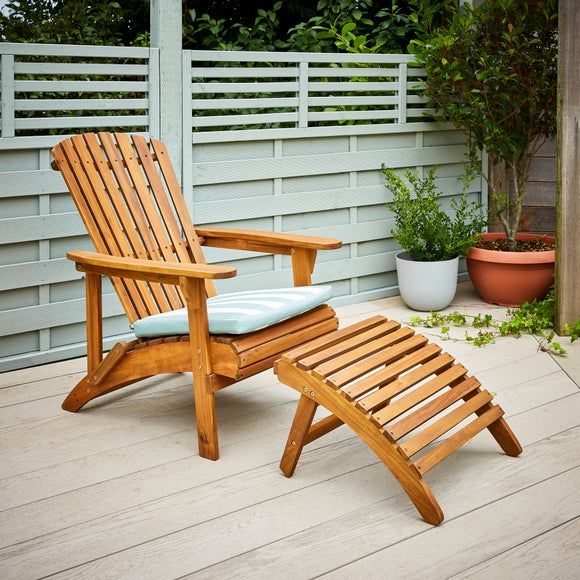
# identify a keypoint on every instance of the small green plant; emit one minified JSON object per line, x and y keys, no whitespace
{"x":423,"y":227}
{"x":536,"y":318}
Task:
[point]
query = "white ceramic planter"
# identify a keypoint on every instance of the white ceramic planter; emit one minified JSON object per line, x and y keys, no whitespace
{"x":426,"y":286}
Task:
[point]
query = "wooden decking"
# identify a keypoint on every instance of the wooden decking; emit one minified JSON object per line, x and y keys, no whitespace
{"x":118,"y":490}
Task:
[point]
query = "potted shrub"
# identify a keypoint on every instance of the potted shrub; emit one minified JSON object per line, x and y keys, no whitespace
{"x":492,"y":72}
{"x":433,"y":238}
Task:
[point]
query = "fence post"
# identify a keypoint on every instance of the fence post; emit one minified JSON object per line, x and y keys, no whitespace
{"x":568,"y":201}
{"x":7,"y":95}
{"x":166,"y":35}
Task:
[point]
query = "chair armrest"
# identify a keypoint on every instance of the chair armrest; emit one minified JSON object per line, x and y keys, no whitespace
{"x":149,"y":270}
{"x":258,"y":241}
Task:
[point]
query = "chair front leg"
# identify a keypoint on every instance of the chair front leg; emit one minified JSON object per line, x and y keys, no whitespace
{"x":94,"y":316}
{"x":207,"y":434}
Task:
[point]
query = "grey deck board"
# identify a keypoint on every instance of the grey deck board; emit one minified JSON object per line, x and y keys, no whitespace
{"x":119,"y":491}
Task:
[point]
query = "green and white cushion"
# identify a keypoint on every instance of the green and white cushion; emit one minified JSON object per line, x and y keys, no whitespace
{"x":239,"y":312}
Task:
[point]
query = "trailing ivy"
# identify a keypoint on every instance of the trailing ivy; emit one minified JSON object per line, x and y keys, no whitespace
{"x":535,"y":318}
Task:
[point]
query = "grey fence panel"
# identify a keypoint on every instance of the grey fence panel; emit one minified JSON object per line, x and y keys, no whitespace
{"x":326,"y":186}
{"x":49,"y":91}
{"x":273,"y":141}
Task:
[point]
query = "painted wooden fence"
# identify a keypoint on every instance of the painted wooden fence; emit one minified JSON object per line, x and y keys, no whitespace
{"x":274,"y":141}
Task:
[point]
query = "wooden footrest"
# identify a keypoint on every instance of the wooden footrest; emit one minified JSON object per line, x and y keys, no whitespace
{"x":406,"y":398}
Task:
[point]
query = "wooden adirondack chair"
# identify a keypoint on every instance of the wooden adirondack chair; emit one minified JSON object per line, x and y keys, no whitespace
{"x":131,"y":203}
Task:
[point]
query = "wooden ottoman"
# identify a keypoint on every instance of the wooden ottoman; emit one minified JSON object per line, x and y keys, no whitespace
{"x":398,"y":392}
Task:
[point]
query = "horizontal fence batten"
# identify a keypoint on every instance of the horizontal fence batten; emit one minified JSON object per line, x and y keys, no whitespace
{"x":58,"y":86}
{"x":30,"y":183}
{"x":38,"y":317}
{"x":260,"y":103}
{"x":40,"y":227}
{"x":74,"y":50}
{"x":236,"y":87}
{"x":241,"y":119}
{"x":287,"y":204}
{"x":317,"y":72}
{"x":358,"y":101}
{"x":79,"y":104}
{"x":361,"y":101}
{"x":352,"y":115}
{"x":29,"y":274}
{"x":56,"y":354}
{"x":240,"y":73}
{"x":71,"y":68}
{"x":332,"y":163}
{"x":93,"y":121}
{"x":40,"y":142}
{"x":359,"y":86}
{"x":248,"y":135}
{"x":314,"y":57}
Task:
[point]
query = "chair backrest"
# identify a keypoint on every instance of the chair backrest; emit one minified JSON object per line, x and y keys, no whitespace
{"x":131,"y":203}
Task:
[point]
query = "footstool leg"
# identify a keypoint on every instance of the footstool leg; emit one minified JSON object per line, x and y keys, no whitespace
{"x":298,"y":432}
{"x":501,"y":432}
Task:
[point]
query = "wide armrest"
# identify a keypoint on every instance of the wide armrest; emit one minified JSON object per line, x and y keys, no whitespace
{"x":149,"y":270}
{"x":258,"y":241}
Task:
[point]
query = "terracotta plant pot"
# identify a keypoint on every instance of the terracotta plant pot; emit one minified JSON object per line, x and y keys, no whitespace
{"x":511,"y":278}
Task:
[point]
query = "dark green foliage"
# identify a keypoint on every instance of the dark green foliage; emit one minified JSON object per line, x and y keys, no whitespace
{"x":423,"y":227}
{"x":263,"y":25}
{"x":75,"y":21}
{"x":330,"y":26}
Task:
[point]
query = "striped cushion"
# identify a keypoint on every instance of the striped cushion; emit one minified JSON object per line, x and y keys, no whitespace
{"x":238,"y":312}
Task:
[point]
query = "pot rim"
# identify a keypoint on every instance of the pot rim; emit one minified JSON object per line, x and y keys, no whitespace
{"x":407,"y":257}
{"x":484,"y":255}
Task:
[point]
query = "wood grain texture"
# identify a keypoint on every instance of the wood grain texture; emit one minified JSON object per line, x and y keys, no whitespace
{"x":400,"y":377}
